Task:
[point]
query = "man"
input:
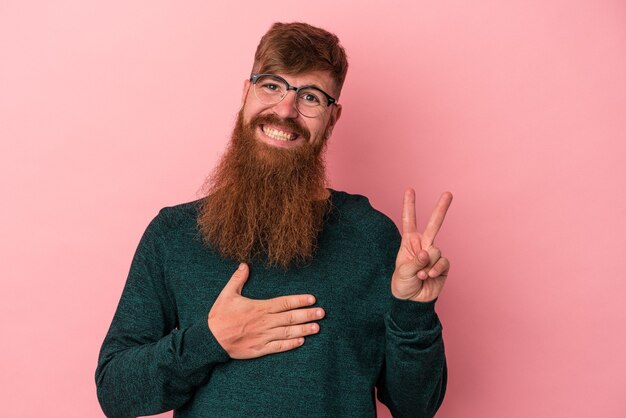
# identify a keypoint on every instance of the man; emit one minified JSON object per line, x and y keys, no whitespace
{"x":273,"y":295}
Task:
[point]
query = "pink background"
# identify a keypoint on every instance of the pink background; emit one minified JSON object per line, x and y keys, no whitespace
{"x":109,"y":112}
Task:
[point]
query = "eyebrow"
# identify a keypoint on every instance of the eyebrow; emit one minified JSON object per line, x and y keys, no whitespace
{"x":314,"y":86}
{"x":304,"y":85}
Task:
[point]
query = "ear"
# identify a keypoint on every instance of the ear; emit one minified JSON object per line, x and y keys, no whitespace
{"x":244,"y":93}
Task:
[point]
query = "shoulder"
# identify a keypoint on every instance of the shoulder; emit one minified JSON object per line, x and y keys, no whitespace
{"x":175,"y":218}
{"x":356,"y":210}
{"x":356,"y":218}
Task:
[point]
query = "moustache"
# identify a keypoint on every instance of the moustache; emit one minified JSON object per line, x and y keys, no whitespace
{"x":288,"y":124}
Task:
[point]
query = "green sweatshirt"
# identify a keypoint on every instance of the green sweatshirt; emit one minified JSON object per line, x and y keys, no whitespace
{"x":159,"y":353}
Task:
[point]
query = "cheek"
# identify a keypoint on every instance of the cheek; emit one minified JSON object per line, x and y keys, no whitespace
{"x":323,"y":130}
{"x":252,"y":108}
{"x":317,"y":127}
{"x":248,"y":111}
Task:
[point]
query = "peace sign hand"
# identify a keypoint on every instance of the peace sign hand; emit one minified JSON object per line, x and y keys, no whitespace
{"x":421,"y":271}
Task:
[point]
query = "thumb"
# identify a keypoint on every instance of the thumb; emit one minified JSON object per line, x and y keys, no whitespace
{"x":410,"y":269}
{"x":238,"y":279}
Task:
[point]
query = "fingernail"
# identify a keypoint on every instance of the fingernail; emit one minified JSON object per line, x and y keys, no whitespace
{"x":242,"y":266}
{"x":311,"y":299}
{"x":319,"y":313}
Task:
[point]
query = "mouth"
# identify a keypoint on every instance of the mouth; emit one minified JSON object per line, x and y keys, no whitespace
{"x":279,"y":136}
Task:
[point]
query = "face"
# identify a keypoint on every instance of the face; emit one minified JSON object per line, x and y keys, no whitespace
{"x":280,"y":125}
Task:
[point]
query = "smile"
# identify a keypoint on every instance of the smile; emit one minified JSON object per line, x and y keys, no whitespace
{"x":278,"y":134}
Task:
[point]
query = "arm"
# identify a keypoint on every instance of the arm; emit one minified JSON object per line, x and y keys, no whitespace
{"x":147,"y":365}
{"x":414,"y":381}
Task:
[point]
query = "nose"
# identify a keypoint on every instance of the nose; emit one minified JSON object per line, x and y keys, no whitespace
{"x":286,"y":108}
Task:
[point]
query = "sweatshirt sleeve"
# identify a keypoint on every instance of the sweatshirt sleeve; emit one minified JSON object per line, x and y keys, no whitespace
{"x":148,"y":364}
{"x":413,"y":380}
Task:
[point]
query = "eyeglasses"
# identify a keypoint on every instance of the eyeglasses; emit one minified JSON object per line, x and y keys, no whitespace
{"x":270,"y":89}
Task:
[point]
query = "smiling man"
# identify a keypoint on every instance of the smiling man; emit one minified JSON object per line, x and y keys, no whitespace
{"x":274,"y":296}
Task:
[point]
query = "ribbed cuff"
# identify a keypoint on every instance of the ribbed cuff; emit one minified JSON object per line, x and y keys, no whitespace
{"x":408,"y":315}
{"x":202,"y":348}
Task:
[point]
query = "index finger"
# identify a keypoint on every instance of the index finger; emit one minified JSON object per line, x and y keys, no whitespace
{"x":436,"y":219}
{"x":409,"y":223}
{"x":287,"y":303}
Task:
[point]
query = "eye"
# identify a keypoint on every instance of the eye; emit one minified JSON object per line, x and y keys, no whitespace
{"x":270,"y":87}
{"x":309,"y":98}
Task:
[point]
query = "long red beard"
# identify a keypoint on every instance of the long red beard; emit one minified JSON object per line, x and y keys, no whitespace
{"x":261,"y":200}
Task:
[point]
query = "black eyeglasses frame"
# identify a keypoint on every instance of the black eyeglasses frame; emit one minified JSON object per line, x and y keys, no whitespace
{"x":331,"y":100}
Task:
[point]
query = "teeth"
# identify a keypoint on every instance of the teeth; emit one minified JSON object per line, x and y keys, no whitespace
{"x":279,"y":135}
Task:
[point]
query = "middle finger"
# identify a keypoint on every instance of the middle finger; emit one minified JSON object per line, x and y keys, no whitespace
{"x":293,"y":331}
{"x":297,"y":316}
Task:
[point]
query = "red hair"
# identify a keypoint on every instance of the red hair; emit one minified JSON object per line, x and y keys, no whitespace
{"x":296,"y":48}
